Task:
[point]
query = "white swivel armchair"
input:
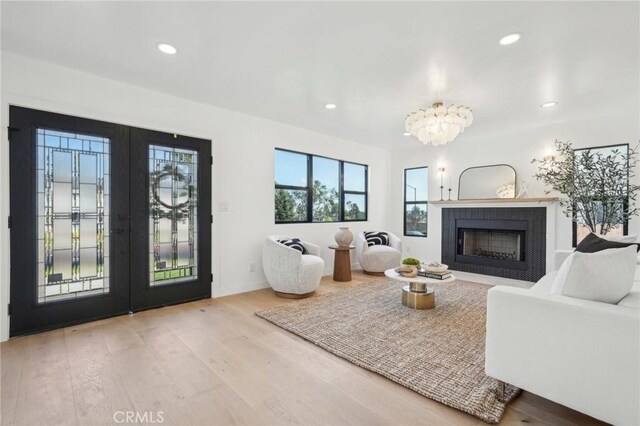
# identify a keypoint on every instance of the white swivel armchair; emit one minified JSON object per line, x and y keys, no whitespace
{"x":376,"y":259}
{"x":290,"y":273}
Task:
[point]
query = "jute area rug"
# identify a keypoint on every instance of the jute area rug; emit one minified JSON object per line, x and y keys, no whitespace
{"x":438,"y":353}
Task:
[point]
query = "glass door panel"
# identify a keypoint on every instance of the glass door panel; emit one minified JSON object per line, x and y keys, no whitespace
{"x":173,"y":210}
{"x":71,"y":170}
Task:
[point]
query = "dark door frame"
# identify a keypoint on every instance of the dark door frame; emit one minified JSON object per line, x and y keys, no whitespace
{"x":145,"y":296}
{"x":26,"y":315}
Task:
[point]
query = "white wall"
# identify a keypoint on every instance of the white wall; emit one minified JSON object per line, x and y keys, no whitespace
{"x":243,"y":174}
{"x":516,"y":149}
{"x":243,"y":163}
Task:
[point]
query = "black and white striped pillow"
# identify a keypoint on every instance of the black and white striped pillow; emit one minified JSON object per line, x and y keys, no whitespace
{"x":375,"y":238}
{"x":295,"y":243}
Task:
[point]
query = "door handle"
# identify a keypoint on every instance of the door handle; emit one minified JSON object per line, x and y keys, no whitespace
{"x":118,"y":231}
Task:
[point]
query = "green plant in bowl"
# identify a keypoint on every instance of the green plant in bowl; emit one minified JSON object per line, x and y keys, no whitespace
{"x":411,"y":261}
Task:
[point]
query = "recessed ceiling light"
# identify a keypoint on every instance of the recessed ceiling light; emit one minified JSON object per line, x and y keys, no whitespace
{"x":406,"y":134}
{"x":167,"y":48}
{"x":330,"y":106}
{"x":549,"y":104}
{"x":510,"y":39}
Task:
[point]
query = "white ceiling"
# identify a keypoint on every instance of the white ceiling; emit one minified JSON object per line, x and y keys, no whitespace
{"x":376,"y":60}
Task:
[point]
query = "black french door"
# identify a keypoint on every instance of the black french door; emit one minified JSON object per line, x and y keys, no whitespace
{"x":105,"y":219}
{"x":170,"y":218}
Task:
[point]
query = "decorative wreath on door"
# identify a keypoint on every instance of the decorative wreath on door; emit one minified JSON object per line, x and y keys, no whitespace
{"x":172,"y":173}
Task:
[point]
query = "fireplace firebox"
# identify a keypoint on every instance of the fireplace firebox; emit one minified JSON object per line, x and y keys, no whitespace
{"x":499,"y":243}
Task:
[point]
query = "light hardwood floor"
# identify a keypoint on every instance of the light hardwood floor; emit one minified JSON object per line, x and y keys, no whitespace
{"x":215,"y":362}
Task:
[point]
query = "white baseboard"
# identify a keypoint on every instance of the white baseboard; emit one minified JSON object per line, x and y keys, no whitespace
{"x":228,"y":291}
{"x":466,"y":276}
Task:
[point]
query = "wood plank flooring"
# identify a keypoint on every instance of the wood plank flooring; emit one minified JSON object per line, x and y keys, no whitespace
{"x":214,"y":362}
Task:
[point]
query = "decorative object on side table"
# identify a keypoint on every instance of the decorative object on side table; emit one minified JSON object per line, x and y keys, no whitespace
{"x":344,"y":236}
{"x":342,"y":263}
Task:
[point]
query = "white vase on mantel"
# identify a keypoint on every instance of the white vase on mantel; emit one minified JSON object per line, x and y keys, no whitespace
{"x":344,"y":236}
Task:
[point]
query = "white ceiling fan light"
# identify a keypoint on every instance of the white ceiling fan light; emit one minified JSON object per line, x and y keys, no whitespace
{"x":167,"y":48}
{"x":330,"y":106}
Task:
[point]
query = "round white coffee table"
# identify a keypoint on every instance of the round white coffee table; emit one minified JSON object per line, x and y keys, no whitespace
{"x":417,"y":295}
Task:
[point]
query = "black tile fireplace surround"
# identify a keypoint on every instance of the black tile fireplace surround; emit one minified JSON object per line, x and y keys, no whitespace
{"x":508,"y":242}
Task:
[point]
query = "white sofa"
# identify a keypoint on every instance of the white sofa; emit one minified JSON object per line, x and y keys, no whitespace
{"x":581,"y":354}
{"x":376,"y":259}
{"x":290,"y":273}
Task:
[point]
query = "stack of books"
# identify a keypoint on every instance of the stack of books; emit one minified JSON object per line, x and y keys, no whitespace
{"x":434,"y":275}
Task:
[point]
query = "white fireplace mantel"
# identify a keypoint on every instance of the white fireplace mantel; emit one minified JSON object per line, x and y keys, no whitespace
{"x":500,"y":202}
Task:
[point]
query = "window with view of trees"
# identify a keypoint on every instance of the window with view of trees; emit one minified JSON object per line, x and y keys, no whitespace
{"x":415,"y":201}
{"x":311,"y":188}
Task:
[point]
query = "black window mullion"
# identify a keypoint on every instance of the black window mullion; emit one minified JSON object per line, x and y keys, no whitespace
{"x":341,"y":195}
{"x":366,"y":193}
{"x":309,"y":188}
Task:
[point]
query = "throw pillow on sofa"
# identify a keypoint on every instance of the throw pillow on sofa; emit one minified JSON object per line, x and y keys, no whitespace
{"x":375,"y":238}
{"x":592,"y":243}
{"x":296,"y":244}
{"x":621,"y":238}
{"x":604,"y":276}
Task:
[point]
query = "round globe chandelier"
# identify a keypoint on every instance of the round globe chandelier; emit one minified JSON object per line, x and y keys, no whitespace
{"x":438,"y":125}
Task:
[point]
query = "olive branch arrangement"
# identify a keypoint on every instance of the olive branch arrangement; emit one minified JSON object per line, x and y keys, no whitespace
{"x":597,"y":188}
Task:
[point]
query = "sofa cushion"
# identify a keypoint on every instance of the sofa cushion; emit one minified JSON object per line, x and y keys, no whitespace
{"x":295,"y":244}
{"x":376,"y":238}
{"x":545,"y":283}
{"x":311,"y":260}
{"x":632,"y":300}
{"x":379,"y":258}
{"x":605,"y":276}
{"x":592,"y":244}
